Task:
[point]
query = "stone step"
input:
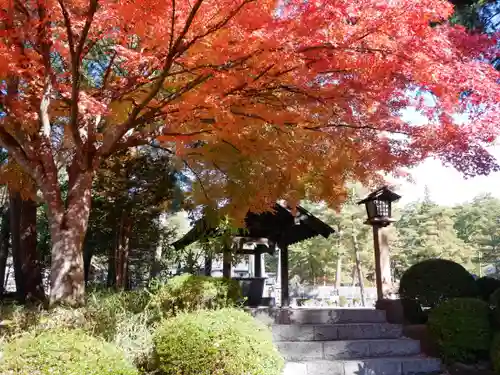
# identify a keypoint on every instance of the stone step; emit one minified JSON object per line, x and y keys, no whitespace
{"x":317,"y":316}
{"x":372,"y":366}
{"x":349,"y":349}
{"x":325,"y":332}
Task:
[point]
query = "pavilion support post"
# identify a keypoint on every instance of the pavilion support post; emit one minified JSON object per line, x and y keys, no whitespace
{"x":226,"y":264}
{"x":257,"y":264}
{"x":208,"y":265}
{"x":285,"y":297}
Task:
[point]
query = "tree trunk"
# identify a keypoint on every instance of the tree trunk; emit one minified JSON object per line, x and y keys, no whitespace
{"x":123,"y":250}
{"x":112,"y":253}
{"x":338,"y":272}
{"x":15,"y":226}
{"x":353,"y":275}
{"x":68,"y":228}
{"x":4,"y":246}
{"x":27,"y":268}
{"x":156,"y":264}
{"x":358,"y":269}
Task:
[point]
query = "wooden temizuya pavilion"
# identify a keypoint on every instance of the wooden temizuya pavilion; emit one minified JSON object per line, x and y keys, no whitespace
{"x":269,"y":231}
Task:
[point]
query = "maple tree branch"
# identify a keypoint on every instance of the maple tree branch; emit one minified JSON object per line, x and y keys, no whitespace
{"x":218,"y":25}
{"x":67,"y":23}
{"x":107,"y":73}
{"x":76,"y":53}
{"x":172,"y":27}
{"x":321,"y":128}
{"x":15,"y":149}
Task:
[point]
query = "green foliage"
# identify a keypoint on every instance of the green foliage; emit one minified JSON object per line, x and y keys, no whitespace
{"x":61,"y":352}
{"x":105,"y":309}
{"x":189,"y":293}
{"x":343,"y":301}
{"x":487,"y":286}
{"x":224,"y":342}
{"x":434,"y":280}
{"x":461,"y":328}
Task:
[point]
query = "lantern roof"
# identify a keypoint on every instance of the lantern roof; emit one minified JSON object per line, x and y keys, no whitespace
{"x":382,"y":194}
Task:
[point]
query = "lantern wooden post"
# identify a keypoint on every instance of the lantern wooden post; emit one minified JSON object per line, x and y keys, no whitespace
{"x":379,"y":210}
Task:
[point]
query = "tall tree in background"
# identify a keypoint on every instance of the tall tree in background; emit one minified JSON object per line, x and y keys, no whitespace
{"x":477,"y":224}
{"x":278,"y":101}
{"x":132,"y":189}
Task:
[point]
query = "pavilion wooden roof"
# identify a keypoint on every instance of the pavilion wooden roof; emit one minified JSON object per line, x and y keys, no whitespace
{"x":281,"y":226}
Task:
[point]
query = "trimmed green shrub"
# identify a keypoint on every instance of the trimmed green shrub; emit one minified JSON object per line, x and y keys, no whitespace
{"x":435,"y":280}
{"x":461,"y":328}
{"x":487,"y":286}
{"x":495,"y":353}
{"x":63,"y":353}
{"x":186,"y":293}
{"x":224,"y":342}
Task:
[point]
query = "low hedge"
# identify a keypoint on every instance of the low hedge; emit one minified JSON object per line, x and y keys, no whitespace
{"x":60,"y":352}
{"x":225,"y":342}
{"x":461,"y":328}
{"x":187,"y":293}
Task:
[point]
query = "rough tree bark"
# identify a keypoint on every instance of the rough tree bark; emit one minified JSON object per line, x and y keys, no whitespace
{"x":122,"y":255}
{"x":68,"y":226}
{"x":156,"y":263}
{"x":4,"y":245}
{"x":27,"y":268}
{"x":358,"y":269}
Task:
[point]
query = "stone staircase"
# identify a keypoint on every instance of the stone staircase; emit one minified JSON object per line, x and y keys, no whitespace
{"x":345,"y":342}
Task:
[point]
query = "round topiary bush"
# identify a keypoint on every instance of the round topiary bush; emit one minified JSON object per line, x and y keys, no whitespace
{"x":461,"y":328}
{"x":435,"y":280}
{"x":206,"y":342}
{"x":486,"y":286}
{"x":63,"y":353}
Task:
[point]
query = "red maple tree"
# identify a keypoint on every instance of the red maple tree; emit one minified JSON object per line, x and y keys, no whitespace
{"x":260,"y":99}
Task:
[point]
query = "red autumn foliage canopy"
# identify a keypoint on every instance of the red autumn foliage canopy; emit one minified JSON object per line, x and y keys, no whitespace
{"x":260,"y":99}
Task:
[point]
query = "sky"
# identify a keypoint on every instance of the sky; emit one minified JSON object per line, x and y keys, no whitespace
{"x":446,"y":185}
